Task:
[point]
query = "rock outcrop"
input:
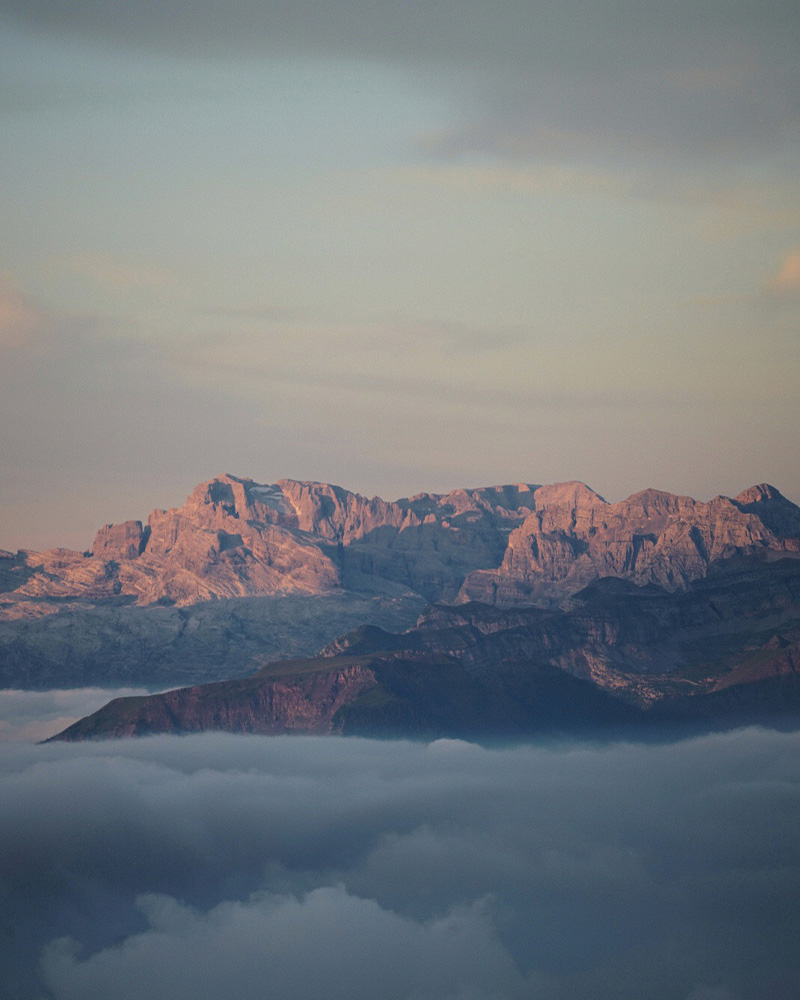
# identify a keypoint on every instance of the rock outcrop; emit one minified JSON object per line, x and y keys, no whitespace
{"x":237,"y":538}
{"x":120,"y":541}
{"x":573,"y":537}
{"x":506,"y":545}
{"x":298,"y":700}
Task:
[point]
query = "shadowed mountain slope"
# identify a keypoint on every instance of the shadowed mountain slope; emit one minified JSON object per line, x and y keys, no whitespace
{"x":618,"y":658}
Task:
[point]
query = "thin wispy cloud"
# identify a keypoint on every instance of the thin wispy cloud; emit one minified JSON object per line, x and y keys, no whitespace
{"x":787,"y":279}
{"x":256,"y":313}
{"x":648,"y":77}
{"x":537,"y":181}
{"x":20,"y":319}
{"x":118,"y":274}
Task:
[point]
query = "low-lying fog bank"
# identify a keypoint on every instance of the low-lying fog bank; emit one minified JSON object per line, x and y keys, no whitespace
{"x":299,"y":867}
{"x":31,"y":716}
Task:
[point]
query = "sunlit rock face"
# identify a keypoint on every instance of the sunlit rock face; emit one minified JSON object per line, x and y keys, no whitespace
{"x":506,"y":545}
{"x":573,"y":537}
{"x":237,"y":538}
{"x":303,"y":701}
{"x":243,"y":574}
{"x":780,"y":515}
{"x":120,"y":541}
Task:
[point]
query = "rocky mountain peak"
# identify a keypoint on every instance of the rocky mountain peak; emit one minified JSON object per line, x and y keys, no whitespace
{"x":780,"y":515}
{"x":759,"y":493}
{"x":572,"y":495}
{"x":508,"y":545}
{"x":574,"y":537}
{"x":120,"y":541}
{"x":336,"y":514}
{"x":652,"y":503}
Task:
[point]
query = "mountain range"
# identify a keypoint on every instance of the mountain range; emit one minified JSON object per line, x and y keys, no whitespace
{"x":505,"y":545}
{"x":480,"y":608}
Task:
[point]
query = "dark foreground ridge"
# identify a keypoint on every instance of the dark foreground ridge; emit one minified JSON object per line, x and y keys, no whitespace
{"x":616,"y":658}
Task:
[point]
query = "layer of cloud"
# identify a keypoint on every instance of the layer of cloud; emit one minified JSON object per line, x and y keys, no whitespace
{"x":344,"y":945}
{"x":643,"y":81}
{"x":508,"y":31}
{"x":294,"y":867}
{"x":30,"y":716}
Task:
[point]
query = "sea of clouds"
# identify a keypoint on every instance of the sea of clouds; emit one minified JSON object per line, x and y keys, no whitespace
{"x":31,"y":716}
{"x":299,"y":867}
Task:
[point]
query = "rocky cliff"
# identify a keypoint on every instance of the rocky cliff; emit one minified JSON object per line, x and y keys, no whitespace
{"x":298,"y":699}
{"x":237,"y":538}
{"x":82,"y":617}
{"x":506,"y":545}
{"x":619,"y":658}
{"x":573,"y":537}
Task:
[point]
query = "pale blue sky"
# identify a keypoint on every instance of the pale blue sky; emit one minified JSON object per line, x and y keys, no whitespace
{"x":399,"y":248}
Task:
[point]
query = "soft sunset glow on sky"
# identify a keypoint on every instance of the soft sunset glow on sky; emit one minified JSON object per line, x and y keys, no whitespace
{"x":399,"y":247}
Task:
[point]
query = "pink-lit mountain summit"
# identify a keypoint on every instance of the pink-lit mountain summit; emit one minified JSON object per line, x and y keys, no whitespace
{"x":506,"y":545}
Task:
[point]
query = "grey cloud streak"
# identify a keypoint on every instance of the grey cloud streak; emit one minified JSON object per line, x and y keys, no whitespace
{"x":502,"y":34}
{"x":294,"y":867}
{"x":622,"y":82}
